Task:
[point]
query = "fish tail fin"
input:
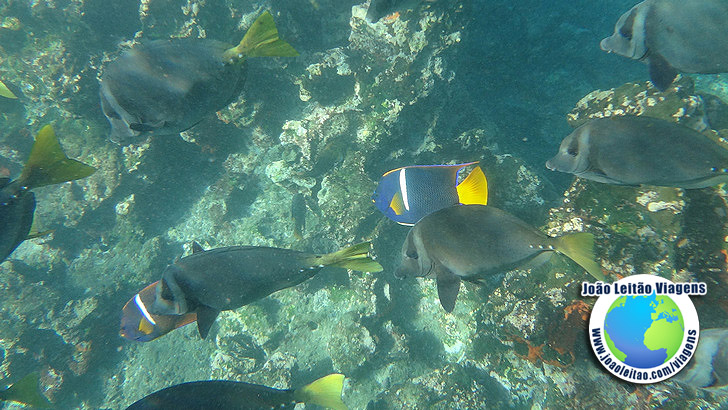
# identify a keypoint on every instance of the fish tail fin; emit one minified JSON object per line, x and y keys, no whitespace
{"x":355,"y":257}
{"x":26,"y":391}
{"x":261,"y":40}
{"x":473,"y":189}
{"x":5,"y":91}
{"x":579,"y":247}
{"x":48,"y":164}
{"x":325,"y":392}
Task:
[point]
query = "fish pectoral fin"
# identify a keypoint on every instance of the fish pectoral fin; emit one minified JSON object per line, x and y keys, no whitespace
{"x":448,"y":286}
{"x":662,"y":74}
{"x":205,"y":318}
{"x":146,"y":127}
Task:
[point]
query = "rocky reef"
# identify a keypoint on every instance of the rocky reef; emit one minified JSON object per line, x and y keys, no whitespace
{"x":363,"y":98}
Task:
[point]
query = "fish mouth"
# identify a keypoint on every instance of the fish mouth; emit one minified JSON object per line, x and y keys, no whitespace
{"x":550,"y":166}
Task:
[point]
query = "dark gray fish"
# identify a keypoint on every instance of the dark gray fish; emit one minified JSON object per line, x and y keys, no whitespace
{"x":298,"y":214}
{"x":231,"y":395}
{"x":211,"y":281}
{"x":641,"y":151}
{"x":168,"y":86}
{"x":47,"y":165}
{"x":708,"y":367}
{"x":673,"y":36}
{"x":475,"y":242}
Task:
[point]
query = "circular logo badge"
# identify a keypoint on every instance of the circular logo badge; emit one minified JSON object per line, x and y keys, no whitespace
{"x":643,"y":328}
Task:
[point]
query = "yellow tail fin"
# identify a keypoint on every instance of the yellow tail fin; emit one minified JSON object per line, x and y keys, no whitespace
{"x":474,"y":188}
{"x":5,"y":91}
{"x":325,"y":392}
{"x":579,"y":247}
{"x":48,"y":164}
{"x":261,"y":40}
{"x":355,"y":257}
{"x":26,"y":391}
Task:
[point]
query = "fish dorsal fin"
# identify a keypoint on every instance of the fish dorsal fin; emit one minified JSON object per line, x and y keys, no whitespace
{"x":397,"y":204}
{"x":48,"y":164}
{"x":205,"y":318}
{"x":474,"y":189}
{"x":196,"y":247}
{"x":662,"y":74}
{"x":448,"y":287}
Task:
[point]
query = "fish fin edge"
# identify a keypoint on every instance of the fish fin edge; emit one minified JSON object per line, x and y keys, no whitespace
{"x":448,"y":287}
{"x":579,"y":247}
{"x":473,"y":190}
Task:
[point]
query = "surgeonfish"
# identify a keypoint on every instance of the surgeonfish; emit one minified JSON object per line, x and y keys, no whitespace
{"x":25,"y":391}
{"x":708,"y":367}
{"x":641,"y":151}
{"x":167,"y":86}
{"x":405,"y":195}
{"x":673,"y":36}
{"x":140,"y":325}
{"x":232,"y":395}
{"x":47,"y":165}
{"x":214,"y":280}
{"x":5,"y":91}
{"x":298,"y":215}
{"x":476,"y":242}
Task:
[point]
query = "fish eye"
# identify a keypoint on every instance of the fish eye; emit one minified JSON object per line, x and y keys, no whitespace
{"x":412,"y":254}
{"x":572,"y":151}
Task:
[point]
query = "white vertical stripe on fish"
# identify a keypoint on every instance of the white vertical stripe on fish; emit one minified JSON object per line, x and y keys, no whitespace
{"x":143,"y":309}
{"x":403,"y":188}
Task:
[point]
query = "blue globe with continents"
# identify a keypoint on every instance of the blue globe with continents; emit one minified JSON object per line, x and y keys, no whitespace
{"x":644,"y":331}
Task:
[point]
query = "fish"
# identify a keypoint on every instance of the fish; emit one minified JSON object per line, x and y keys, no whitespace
{"x":639,"y":150}
{"x":673,"y":36}
{"x":405,"y":195}
{"x":210,"y":281}
{"x":5,"y":91}
{"x":708,"y":367}
{"x":475,"y":243}
{"x":298,"y":214}
{"x":164,"y":87}
{"x":380,"y":8}
{"x":25,"y":391}
{"x":139,"y":325}
{"x":228,"y":394}
{"x":47,"y":165}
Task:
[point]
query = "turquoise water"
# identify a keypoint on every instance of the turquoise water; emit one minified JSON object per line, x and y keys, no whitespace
{"x":446,"y":82}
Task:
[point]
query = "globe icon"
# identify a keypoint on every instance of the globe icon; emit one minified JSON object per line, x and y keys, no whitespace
{"x":644,"y":331}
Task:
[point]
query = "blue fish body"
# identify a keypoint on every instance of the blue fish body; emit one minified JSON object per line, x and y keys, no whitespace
{"x":406,"y":195}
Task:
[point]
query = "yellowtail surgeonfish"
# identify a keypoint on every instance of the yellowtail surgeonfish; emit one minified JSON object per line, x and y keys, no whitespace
{"x":211,"y":281}
{"x":475,"y":242}
{"x":167,"y":86}
{"x":230,"y":395}
{"x":25,"y":391}
{"x":673,"y":36}
{"x":641,"y":151}
{"x":406,"y":195}
{"x":47,"y":165}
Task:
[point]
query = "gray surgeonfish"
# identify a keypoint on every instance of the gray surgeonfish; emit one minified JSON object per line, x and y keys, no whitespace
{"x":475,"y":242}
{"x":641,"y":151}
{"x":673,"y":36}
{"x":709,"y":366}
{"x":167,"y":86}
{"x":211,"y":281}
{"x":47,"y":165}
